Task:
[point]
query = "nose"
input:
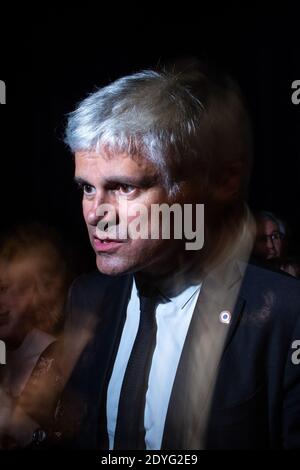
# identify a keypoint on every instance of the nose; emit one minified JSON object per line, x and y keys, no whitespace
{"x":92,"y":218}
{"x":102,"y":214}
{"x":270,"y":243}
{"x":91,"y":208}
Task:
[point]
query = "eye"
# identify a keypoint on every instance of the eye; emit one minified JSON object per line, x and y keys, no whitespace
{"x":126,"y":189}
{"x":88,"y":190}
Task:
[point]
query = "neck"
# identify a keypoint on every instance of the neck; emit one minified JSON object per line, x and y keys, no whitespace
{"x":232,"y":240}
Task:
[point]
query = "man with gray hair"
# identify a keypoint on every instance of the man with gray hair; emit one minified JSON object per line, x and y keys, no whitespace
{"x":168,"y":347}
{"x":270,"y":234}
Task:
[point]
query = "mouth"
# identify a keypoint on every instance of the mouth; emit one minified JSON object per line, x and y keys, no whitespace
{"x":106,"y":245}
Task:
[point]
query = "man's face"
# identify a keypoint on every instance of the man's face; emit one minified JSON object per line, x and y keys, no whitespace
{"x":268,"y":244}
{"x":123,"y":183}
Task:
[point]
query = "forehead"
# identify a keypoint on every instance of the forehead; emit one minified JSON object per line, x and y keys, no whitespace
{"x":20,"y":269}
{"x":101,"y":165}
{"x":270,"y":226}
{"x":15,"y":272}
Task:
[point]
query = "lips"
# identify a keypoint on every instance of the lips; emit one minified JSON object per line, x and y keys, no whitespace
{"x":106,"y":245}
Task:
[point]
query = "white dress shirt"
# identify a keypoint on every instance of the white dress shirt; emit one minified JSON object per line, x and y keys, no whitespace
{"x":173,"y":320}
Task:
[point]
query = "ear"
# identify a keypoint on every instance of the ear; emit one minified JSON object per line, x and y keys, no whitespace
{"x":228,"y":182}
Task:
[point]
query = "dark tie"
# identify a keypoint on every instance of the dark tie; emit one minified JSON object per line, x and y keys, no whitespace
{"x":130,"y":432}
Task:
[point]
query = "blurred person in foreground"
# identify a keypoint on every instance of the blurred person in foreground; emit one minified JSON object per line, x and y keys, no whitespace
{"x":169,"y":346}
{"x":33,"y":286}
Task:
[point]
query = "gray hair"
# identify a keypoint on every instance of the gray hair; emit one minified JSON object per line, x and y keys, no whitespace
{"x":182,"y":122}
{"x":267,"y":215}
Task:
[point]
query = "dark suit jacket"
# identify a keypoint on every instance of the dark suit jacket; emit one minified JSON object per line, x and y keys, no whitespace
{"x":240,"y":392}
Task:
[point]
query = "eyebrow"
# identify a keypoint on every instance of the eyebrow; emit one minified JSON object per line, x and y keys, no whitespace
{"x":145,"y":182}
{"x":79,"y":180}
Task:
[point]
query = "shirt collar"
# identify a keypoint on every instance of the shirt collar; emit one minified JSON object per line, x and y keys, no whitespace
{"x":185,"y":296}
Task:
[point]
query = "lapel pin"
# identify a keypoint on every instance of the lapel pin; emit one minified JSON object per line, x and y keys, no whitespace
{"x":225,"y":316}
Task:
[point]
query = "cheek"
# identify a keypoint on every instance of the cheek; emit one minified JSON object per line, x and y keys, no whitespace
{"x":10,"y":300}
{"x":17,"y":307}
{"x":22,"y":302}
{"x":146,"y":249}
{"x":278,"y":246}
{"x":262,"y":245}
{"x":85,"y":210}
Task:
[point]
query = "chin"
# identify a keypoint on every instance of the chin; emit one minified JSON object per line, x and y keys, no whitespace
{"x":111,"y":266}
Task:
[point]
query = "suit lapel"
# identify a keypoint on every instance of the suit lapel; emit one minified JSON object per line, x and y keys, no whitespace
{"x":207,"y":340}
{"x":104,"y":314}
{"x":108,"y":339}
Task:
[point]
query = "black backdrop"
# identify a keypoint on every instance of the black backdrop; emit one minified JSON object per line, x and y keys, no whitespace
{"x":52,"y":59}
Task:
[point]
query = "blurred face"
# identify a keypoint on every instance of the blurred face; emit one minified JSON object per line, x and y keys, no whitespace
{"x":16,"y":299}
{"x":269,"y":243}
{"x":124,"y":183}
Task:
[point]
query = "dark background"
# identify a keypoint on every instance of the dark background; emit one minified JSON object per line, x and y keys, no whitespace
{"x":51,"y":59}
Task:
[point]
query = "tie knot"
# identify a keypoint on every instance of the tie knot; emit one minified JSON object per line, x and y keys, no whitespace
{"x":149,"y":303}
{"x":150,"y":296}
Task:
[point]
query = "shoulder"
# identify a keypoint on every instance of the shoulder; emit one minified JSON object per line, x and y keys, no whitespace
{"x":260,"y":278}
{"x":278,"y":294}
{"x":89,"y":291}
{"x":258,"y":275}
{"x":87,"y":280}
{"x":96,"y":284}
